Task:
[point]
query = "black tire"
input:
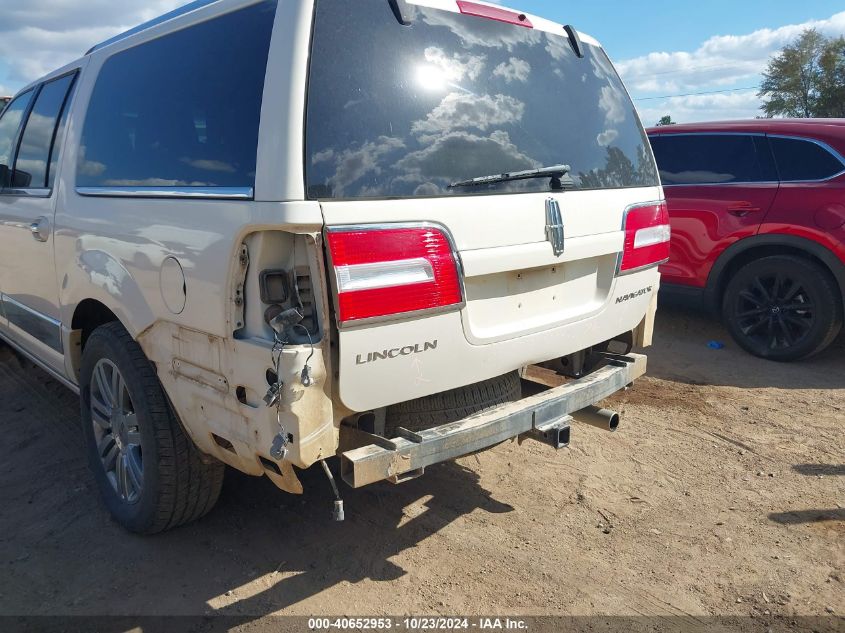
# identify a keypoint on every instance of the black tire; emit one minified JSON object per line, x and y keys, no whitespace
{"x":783,"y":308}
{"x":178,"y":487}
{"x":451,"y":406}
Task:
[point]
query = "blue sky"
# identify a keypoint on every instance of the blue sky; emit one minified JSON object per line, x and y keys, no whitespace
{"x":662,"y":49}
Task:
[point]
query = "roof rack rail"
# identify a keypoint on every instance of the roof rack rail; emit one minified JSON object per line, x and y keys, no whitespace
{"x":191,"y":6}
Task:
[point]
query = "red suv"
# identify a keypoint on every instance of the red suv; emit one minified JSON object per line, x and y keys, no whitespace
{"x":758,"y":227}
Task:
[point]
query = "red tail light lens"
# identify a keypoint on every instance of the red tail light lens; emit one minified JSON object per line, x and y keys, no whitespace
{"x":647,"y":236}
{"x":393,"y":271}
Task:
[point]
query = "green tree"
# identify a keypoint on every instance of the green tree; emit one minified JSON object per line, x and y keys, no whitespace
{"x":807,"y":78}
{"x":666,"y":120}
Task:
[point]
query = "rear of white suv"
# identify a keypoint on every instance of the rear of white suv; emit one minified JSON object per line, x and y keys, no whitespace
{"x":350,"y":230}
{"x":490,"y":198}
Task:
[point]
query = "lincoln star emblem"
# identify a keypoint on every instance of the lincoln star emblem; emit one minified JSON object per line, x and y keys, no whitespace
{"x":554,"y":226}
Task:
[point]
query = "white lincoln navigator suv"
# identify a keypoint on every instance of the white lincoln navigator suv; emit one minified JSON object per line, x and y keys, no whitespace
{"x":264,"y":233}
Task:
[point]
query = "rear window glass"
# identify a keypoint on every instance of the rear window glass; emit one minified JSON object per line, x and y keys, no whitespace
{"x":401,"y":111}
{"x":708,"y":159}
{"x":182,"y":110}
{"x":804,"y":160}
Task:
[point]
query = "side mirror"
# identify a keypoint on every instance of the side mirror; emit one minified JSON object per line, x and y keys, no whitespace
{"x":4,"y":176}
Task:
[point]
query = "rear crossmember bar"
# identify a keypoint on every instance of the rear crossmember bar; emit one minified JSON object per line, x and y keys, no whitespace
{"x":543,"y":416}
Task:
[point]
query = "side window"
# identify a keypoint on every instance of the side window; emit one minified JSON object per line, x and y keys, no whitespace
{"x":10,"y":123}
{"x":32,"y":165}
{"x":800,"y":160}
{"x":182,"y":110}
{"x":707,"y":159}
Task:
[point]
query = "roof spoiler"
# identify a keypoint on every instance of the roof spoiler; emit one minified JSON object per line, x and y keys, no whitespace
{"x":575,"y":40}
{"x":402,"y":11}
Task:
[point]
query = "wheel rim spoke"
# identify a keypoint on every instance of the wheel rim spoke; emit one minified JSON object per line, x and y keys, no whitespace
{"x":117,"y":431}
{"x":787,"y":335}
{"x":134,"y":470}
{"x":792,"y":291}
{"x":100,"y":413}
{"x":756,"y":312}
{"x":109,"y":453}
{"x":798,"y":307}
{"x":104,"y":385}
{"x":751,"y":297}
{"x":756,"y":327}
{"x":121,"y":474}
{"x":758,"y":283}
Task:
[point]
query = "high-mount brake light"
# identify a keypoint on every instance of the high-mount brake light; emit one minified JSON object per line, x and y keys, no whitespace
{"x":647,"y":237}
{"x":390,"y":271}
{"x":494,"y":13}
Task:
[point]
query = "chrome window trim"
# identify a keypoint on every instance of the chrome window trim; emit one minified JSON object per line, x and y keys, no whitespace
{"x":791,"y":137}
{"x":204,"y":193}
{"x":404,"y":316}
{"x":36,"y":192}
{"x":54,"y":341}
{"x":763,"y":183}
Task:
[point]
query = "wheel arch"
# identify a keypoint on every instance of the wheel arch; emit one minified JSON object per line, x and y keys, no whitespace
{"x":87,"y":316}
{"x":744,"y":251}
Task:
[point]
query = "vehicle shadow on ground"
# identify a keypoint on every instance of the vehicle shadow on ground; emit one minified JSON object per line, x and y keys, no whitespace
{"x":797,"y":517}
{"x":382,"y":521}
{"x":682,"y":353}
{"x":820,"y":470}
{"x":260,"y":551}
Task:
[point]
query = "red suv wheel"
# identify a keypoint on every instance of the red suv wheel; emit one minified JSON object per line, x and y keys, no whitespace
{"x":783,"y":308}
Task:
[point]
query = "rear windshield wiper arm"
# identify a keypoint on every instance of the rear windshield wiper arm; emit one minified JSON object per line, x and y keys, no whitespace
{"x":559,"y":175}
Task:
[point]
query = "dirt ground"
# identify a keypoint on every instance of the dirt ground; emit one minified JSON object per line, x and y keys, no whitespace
{"x":722,"y":494}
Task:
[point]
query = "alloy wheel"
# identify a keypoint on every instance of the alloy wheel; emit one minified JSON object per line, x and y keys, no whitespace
{"x":116,"y":431}
{"x":775,"y":311}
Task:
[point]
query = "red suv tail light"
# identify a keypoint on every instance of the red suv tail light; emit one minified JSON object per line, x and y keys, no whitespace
{"x":383,"y":272}
{"x":647,"y":236}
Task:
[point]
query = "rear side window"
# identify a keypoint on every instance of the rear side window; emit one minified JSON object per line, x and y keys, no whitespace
{"x":708,"y":159}
{"x":10,"y":123}
{"x":33,"y":163}
{"x":800,"y":160}
{"x":183,"y":110}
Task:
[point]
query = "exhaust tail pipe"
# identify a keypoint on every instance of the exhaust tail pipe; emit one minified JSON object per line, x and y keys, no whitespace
{"x":599,"y":418}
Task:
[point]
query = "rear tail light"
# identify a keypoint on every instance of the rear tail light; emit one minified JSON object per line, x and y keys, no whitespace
{"x":494,"y":13}
{"x":647,"y":236}
{"x":385,"y":272}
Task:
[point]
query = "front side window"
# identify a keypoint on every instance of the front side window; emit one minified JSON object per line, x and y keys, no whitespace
{"x":10,"y":123}
{"x":183,"y":110}
{"x":709,"y":159}
{"x":31,"y":167}
{"x":799,"y":160}
{"x":407,"y":111}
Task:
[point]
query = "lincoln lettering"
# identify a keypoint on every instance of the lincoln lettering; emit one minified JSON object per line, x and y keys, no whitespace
{"x":396,"y":352}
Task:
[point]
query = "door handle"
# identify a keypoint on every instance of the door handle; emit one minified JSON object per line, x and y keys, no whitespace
{"x":40,"y":230}
{"x":743,"y":210}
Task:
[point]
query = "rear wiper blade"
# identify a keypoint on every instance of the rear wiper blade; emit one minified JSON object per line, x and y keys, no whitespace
{"x":559,"y":175}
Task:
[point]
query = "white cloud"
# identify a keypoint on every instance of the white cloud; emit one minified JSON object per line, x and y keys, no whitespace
{"x":38,"y":36}
{"x":514,"y":70}
{"x":460,"y":110}
{"x":721,"y":62}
